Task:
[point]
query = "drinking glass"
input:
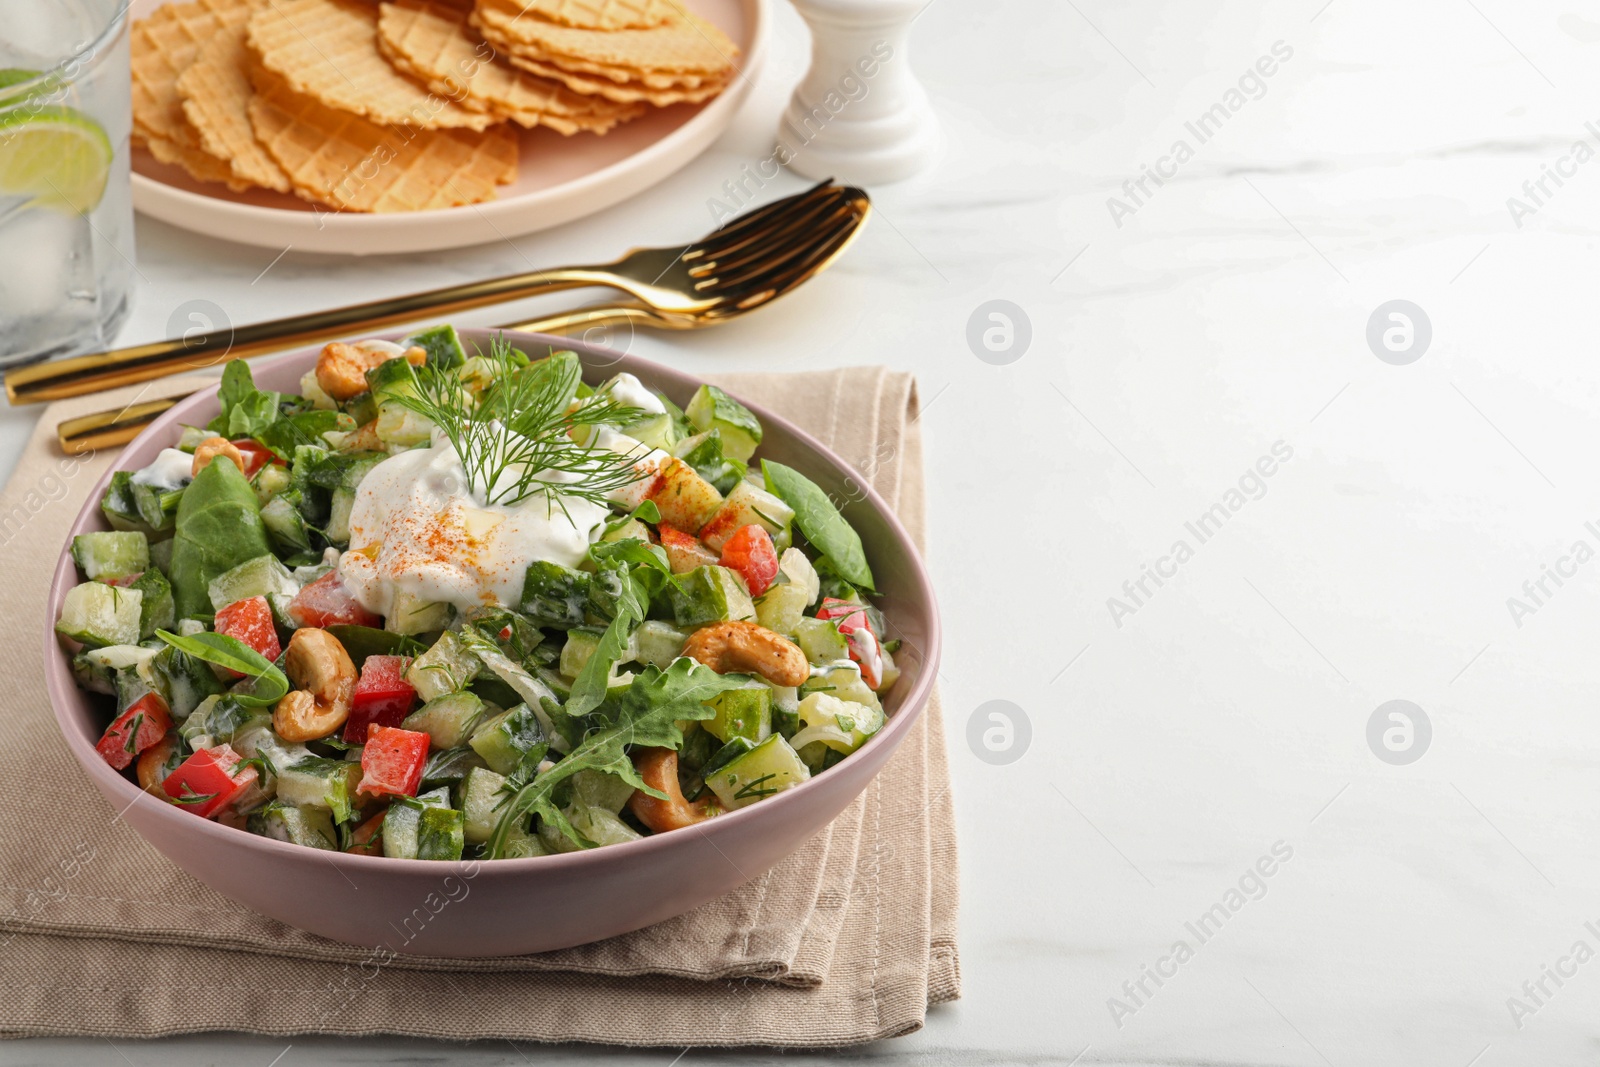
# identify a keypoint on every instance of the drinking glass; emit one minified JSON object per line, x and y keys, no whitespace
{"x":66,"y":217}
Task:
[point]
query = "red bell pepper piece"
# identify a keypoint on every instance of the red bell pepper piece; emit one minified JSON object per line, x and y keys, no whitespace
{"x":391,"y":762}
{"x":382,"y":698}
{"x":852,"y":620}
{"x":250,"y":621}
{"x":327,"y":602}
{"x":256,"y":455}
{"x":208,"y":781}
{"x":750,"y":553}
{"x":144,"y":723}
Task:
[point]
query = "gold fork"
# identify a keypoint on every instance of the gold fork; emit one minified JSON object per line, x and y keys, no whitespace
{"x":106,"y":429}
{"x":744,"y":264}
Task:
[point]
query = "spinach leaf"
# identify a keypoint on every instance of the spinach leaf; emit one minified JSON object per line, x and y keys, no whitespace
{"x":820,"y":521}
{"x":246,"y":410}
{"x":364,"y":641}
{"x":218,"y":527}
{"x":303,"y":428}
{"x":647,"y":714}
{"x":267,"y":683}
{"x":589,"y":688}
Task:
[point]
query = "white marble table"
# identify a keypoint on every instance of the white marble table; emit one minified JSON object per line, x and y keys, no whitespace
{"x":1183,"y":736}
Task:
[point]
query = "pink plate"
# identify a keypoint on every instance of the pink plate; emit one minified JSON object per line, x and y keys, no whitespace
{"x":528,"y":905}
{"x":559,"y":178}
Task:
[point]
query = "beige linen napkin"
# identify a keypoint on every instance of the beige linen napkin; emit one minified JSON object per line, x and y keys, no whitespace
{"x":849,"y":939}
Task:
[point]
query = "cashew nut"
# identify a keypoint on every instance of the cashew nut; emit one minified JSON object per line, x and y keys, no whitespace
{"x":326,"y":679}
{"x":658,"y":767}
{"x":152,"y":767}
{"x":210,"y":449}
{"x":342,"y":368}
{"x":728,"y":647}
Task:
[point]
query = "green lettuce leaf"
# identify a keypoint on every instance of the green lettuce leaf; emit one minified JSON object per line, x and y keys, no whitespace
{"x":647,"y":714}
{"x":246,"y":410}
{"x":820,"y":521}
{"x":218,"y":527}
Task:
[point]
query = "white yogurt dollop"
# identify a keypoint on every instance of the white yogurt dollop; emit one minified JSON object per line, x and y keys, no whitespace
{"x":629,"y":390}
{"x":418,"y":529}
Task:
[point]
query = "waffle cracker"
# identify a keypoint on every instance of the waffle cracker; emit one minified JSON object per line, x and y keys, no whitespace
{"x":351,"y":164}
{"x":432,"y":42}
{"x":684,"y":44}
{"x":649,"y":79}
{"x":186,"y":153}
{"x":328,"y":50}
{"x":603,"y":14}
{"x":610,"y":90}
{"x":216,"y":95}
{"x":162,"y":46}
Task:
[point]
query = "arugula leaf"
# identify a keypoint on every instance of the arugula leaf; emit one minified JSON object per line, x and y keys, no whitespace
{"x":246,"y":410}
{"x":820,"y":521}
{"x":647,"y":714}
{"x":268,"y":684}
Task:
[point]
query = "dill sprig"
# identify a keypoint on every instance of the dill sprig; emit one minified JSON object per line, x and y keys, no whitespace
{"x":515,"y":439}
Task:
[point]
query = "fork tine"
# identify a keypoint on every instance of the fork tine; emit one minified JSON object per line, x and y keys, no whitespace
{"x":769,"y":285}
{"x":768,"y":240}
{"x":753,"y":221}
{"x":781,"y":248}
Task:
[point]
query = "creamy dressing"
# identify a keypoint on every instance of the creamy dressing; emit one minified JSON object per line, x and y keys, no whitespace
{"x":169,"y":471}
{"x":629,"y":390}
{"x":417,"y":529}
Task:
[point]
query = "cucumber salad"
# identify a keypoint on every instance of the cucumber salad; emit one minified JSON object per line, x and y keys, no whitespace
{"x":445,"y":605}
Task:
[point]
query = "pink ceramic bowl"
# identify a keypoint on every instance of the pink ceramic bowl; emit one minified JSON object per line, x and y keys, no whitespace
{"x":548,"y":902}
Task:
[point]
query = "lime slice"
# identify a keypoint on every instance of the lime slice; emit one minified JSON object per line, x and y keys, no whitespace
{"x":10,"y":76}
{"x":57,"y":156}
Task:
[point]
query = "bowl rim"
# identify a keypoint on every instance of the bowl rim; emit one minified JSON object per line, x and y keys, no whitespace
{"x":58,"y":678}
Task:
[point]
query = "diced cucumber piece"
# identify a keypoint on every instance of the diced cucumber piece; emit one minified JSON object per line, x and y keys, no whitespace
{"x":445,"y":668}
{"x":597,"y":789}
{"x":659,"y":643}
{"x":93,"y":677}
{"x":579,"y":649}
{"x":510,"y":739}
{"x":362,"y":408}
{"x":413,"y":615}
{"x":118,"y":505}
{"x":181,"y":679}
{"x":601,"y":826}
{"x":189,"y":438}
{"x":711,"y":408}
{"x":111,"y":554}
{"x":820,"y":640}
{"x":156,"y":610}
{"x":632,"y":528}
{"x":654,"y":431}
{"x":520,"y":844}
{"x":120,"y":657}
{"x":448,"y":720}
{"x":392,"y":377}
{"x":286,"y":527}
{"x":271,"y":480}
{"x":222,"y":719}
{"x":130,"y":688}
{"x":441,"y":834}
{"x":260,"y":576}
{"x":685,"y":500}
{"x":743,"y":713}
{"x":400,"y":823}
{"x":768,"y":768}
{"x":844,"y":681}
{"x":442,"y":344}
{"x":339,"y":509}
{"x":842,"y":725}
{"x":480,"y":803}
{"x":704,"y":453}
{"x":783,"y":606}
{"x":710,"y":594}
{"x":749,"y":505}
{"x":402,"y":426}
{"x":785,"y":710}
{"x":98,"y":614}
{"x":555,"y":594}
{"x":310,"y":827}
{"x":320,"y":783}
